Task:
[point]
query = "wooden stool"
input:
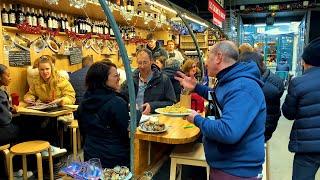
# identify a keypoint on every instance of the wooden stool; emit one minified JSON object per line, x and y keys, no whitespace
{"x":75,"y":137}
{"x":188,"y":154}
{"x":27,"y":148}
{"x":5,"y":150}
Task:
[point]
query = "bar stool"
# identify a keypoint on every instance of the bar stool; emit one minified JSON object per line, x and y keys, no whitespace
{"x":75,"y":137}
{"x":27,"y":148}
{"x":188,"y":154}
{"x":5,"y":150}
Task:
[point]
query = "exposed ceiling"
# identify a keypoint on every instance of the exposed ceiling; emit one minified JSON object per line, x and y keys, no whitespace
{"x":200,"y":7}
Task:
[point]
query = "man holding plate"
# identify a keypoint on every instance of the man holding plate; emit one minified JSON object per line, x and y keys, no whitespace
{"x":234,"y":140}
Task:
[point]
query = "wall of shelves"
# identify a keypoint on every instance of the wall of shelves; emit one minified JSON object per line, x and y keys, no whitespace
{"x":93,"y":11}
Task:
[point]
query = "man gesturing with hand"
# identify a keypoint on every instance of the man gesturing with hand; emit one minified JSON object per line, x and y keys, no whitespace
{"x":234,"y":143}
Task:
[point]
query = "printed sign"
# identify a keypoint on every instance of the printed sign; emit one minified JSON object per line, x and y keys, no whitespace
{"x":75,"y":56}
{"x":218,"y":12}
{"x":19,"y":58}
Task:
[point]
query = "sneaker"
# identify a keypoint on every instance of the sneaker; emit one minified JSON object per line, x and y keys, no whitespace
{"x":19,"y":173}
{"x":55,"y":151}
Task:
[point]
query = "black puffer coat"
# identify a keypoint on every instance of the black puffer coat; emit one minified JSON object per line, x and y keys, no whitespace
{"x":272,"y":89}
{"x":302,"y":104}
{"x":103,"y":119}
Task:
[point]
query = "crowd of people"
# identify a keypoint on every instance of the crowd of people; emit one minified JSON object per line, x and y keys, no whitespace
{"x":247,"y":98}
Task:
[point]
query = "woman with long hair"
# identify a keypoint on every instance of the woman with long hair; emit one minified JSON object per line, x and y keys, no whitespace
{"x":103,"y":117}
{"x":49,"y":87}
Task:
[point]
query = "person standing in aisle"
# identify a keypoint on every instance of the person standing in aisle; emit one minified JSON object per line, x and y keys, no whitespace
{"x":272,"y":89}
{"x":234,"y":141}
{"x":153,"y":88}
{"x":302,"y":104}
{"x":173,"y":52}
{"x":77,"y":78}
{"x":155,"y":48}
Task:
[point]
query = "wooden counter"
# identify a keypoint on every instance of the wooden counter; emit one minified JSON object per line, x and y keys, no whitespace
{"x":180,"y":132}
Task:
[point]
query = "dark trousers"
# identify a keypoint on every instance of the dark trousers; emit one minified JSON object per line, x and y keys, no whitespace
{"x":216,"y":174}
{"x":305,"y":166}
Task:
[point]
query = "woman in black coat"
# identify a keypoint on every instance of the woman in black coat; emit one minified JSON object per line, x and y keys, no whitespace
{"x":103,"y":117}
{"x":8,"y":131}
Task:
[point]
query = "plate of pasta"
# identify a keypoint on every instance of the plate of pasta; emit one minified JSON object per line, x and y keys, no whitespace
{"x":174,"y":110}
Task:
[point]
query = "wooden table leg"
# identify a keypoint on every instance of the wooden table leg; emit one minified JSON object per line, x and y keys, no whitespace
{"x":50,"y":164}
{"x":140,"y":158}
{"x":39,"y":166}
{"x":24,"y":167}
{"x":11,"y":166}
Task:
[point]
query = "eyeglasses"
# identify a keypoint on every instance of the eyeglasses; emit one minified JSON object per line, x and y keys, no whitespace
{"x":142,"y":63}
{"x":116,"y":75}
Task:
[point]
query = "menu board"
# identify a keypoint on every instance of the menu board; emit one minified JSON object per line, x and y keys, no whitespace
{"x":19,"y":58}
{"x":75,"y":55}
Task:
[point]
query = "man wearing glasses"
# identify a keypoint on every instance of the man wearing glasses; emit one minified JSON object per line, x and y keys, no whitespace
{"x":153,"y":88}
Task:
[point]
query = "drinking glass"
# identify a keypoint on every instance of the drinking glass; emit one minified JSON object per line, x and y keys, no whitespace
{"x":94,"y":170}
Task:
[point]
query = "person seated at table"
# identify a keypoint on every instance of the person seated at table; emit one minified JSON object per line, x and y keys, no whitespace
{"x":8,"y":130}
{"x":153,"y":89}
{"x":33,"y":71}
{"x":190,"y":69}
{"x":103,"y":117}
{"x":49,"y":87}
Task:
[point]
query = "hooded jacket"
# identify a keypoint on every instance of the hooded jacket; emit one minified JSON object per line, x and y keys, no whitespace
{"x":103,"y":119}
{"x":158,"y":51}
{"x":234,"y":143}
{"x":302,"y":104}
{"x":159,"y":92}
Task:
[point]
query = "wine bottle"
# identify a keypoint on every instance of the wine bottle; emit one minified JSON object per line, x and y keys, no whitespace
{"x":40,"y":18}
{"x":139,"y":7}
{"x":12,"y":15}
{"x":28,"y":16}
{"x":50,"y":21}
{"x":20,"y":17}
{"x":4,"y":15}
{"x":34,"y":17}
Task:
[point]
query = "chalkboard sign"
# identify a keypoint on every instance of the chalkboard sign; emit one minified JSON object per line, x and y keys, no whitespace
{"x":75,"y":55}
{"x":19,"y":58}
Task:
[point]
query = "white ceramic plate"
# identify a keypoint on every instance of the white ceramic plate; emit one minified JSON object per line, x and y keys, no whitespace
{"x":53,"y":46}
{"x":153,"y":132}
{"x":160,"y":111}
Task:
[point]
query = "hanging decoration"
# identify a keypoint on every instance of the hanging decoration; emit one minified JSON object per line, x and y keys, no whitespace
{"x":52,"y":2}
{"x":79,"y":4}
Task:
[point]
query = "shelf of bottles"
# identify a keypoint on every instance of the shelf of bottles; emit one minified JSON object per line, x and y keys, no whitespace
{"x":214,"y":36}
{"x":186,"y":42}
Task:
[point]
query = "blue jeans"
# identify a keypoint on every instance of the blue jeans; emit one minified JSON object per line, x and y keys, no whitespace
{"x":305,"y":166}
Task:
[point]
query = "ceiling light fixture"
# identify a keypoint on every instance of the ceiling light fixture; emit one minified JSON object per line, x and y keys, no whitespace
{"x":175,"y":12}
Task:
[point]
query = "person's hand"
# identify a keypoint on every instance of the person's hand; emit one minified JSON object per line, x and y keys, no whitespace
{"x":188,"y":83}
{"x":14,"y":109}
{"x":190,"y":117}
{"x":147,"y":108}
{"x":58,"y":102}
{"x":30,"y":101}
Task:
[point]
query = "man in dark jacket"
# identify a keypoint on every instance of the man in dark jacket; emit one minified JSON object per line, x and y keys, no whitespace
{"x":302,"y":104}
{"x":153,"y":88}
{"x":155,"y":48}
{"x":234,"y":141}
{"x":272,"y":89}
{"x":78,"y":77}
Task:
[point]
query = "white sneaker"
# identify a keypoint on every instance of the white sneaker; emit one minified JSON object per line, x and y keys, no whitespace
{"x":55,"y":151}
{"x":20,"y":173}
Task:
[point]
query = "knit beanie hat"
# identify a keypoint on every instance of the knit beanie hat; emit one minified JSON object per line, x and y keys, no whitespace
{"x":311,"y":53}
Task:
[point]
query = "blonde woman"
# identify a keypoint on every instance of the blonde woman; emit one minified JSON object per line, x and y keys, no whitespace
{"x":49,"y":87}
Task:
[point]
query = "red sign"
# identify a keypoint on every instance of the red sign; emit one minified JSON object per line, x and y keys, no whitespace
{"x":217,"y":11}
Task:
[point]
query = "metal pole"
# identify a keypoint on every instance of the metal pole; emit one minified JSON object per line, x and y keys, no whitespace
{"x":125,"y":60}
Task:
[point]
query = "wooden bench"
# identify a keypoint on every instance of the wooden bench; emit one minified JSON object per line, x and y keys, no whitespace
{"x":6,"y":152}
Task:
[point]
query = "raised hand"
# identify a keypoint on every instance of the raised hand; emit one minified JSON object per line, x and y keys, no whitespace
{"x":188,"y":83}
